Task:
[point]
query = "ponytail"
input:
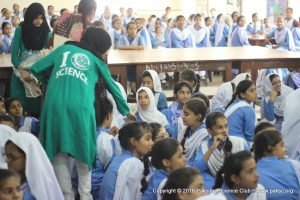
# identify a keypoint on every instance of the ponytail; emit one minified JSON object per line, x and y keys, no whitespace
{"x":227,"y":146}
{"x":219,"y":178}
{"x":146,"y":172}
{"x":197,"y":87}
{"x":186,"y":134}
{"x":234,"y":96}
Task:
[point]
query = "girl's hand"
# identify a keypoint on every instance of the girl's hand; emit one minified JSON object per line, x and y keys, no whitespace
{"x":25,"y":75}
{"x":273,"y":95}
{"x":218,"y":139}
{"x":131,"y":116}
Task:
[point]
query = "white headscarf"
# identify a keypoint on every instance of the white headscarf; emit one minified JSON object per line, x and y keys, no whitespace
{"x":156,"y":80}
{"x":240,"y":77}
{"x":291,"y":124}
{"x":280,"y":36}
{"x":5,"y":133}
{"x":220,"y":29}
{"x":267,"y":88}
{"x":39,"y":172}
{"x":151,"y":114}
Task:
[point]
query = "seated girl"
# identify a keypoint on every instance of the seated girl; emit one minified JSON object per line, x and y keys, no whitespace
{"x":26,"y":156}
{"x":293,"y":79}
{"x":191,"y":137}
{"x":274,"y":94}
{"x":122,"y":179}
{"x":131,"y":41}
{"x":6,"y":133}
{"x":22,"y":123}
{"x":147,"y":111}
{"x":239,"y":37}
{"x":224,"y":93}
{"x":6,"y":38}
{"x":182,"y":93}
{"x":180,"y":36}
{"x":283,"y":36}
{"x":192,"y":78}
{"x":143,"y":32}
{"x":151,"y":80}
{"x":167,"y":156}
{"x":187,"y":184}
{"x":10,"y":184}
{"x":200,"y":32}
{"x":238,"y":179}
{"x":211,"y":154}
{"x":276,"y":172}
{"x":158,"y":38}
{"x":240,"y":112}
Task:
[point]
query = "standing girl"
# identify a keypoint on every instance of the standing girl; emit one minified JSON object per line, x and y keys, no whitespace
{"x":276,"y":172}
{"x":123,"y":177}
{"x":182,"y":93}
{"x":274,"y":94}
{"x":240,"y":112}
{"x":31,"y":36}
{"x":195,"y":133}
{"x":211,"y":154}
{"x":167,"y":156}
{"x":26,"y":156}
{"x":68,"y":121}
{"x":238,"y":179}
{"x":151,"y":80}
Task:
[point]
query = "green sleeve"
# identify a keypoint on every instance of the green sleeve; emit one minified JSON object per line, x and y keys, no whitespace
{"x":112,"y":87}
{"x":44,"y":65}
{"x":16,"y":47}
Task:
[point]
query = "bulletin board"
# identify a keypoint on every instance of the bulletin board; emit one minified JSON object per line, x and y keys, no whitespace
{"x":276,"y":8}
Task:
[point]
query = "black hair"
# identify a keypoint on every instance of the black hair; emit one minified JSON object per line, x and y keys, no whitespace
{"x":86,"y":8}
{"x":168,"y":8}
{"x":233,"y":165}
{"x":179,"y":179}
{"x":210,"y":121}
{"x":190,"y":75}
{"x":155,"y":127}
{"x":169,"y":20}
{"x":50,"y":6}
{"x":130,"y":23}
{"x":2,"y":99}
{"x":9,"y":101}
{"x":219,"y":16}
{"x":7,"y":118}
{"x":146,"y":74}
{"x":206,"y":19}
{"x":138,"y":19}
{"x":132,"y":130}
{"x":62,"y":11}
{"x":106,"y":109}
{"x":179,"y":16}
{"x":6,"y":174}
{"x":254,"y":15}
{"x":197,"y":106}
{"x":262,"y":126}
{"x":191,"y":17}
{"x":233,"y":13}
{"x":271,"y":77}
{"x":197,"y":16}
{"x":114,"y":21}
{"x":163,"y":149}
{"x":180,"y":85}
{"x":54,"y":18}
{"x":114,"y":17}
{"x":241,"y":88}
{"x":239,"y":18}
{"x":98,"y":24}
{"x":3,"y":26}
{"x":264,"y":142}
{"x":203,"y":97}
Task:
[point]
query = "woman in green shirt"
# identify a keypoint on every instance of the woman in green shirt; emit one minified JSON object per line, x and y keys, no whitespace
{"x":68,"y":120}
{"x":30,"y":36}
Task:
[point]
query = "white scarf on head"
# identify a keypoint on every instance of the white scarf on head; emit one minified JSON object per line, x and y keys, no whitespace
{"x":192,"y":143}
{"x":181,"y":34}
{"x":5,"y":133}
{"x":151,"y":114}
{"x":267,"y":88}
{"x":39,"y":171}
{"x":240,"y":77}
{"x":156,"y":84}
{"x":216,"y":160}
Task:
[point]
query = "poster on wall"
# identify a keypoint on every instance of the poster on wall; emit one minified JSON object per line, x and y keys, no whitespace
{"x":276,"y":8}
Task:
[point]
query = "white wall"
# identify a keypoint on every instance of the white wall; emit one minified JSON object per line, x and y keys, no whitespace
{"x":254,"y":6}
{"x":295,"y":5}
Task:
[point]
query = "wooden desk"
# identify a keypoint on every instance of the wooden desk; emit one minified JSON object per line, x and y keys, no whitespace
{"x":164,"y":60}
{"x":257,"y":40}
{"x":169,"y":60}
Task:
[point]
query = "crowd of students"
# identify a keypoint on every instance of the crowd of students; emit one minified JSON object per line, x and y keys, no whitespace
{"x":89,"y":145}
